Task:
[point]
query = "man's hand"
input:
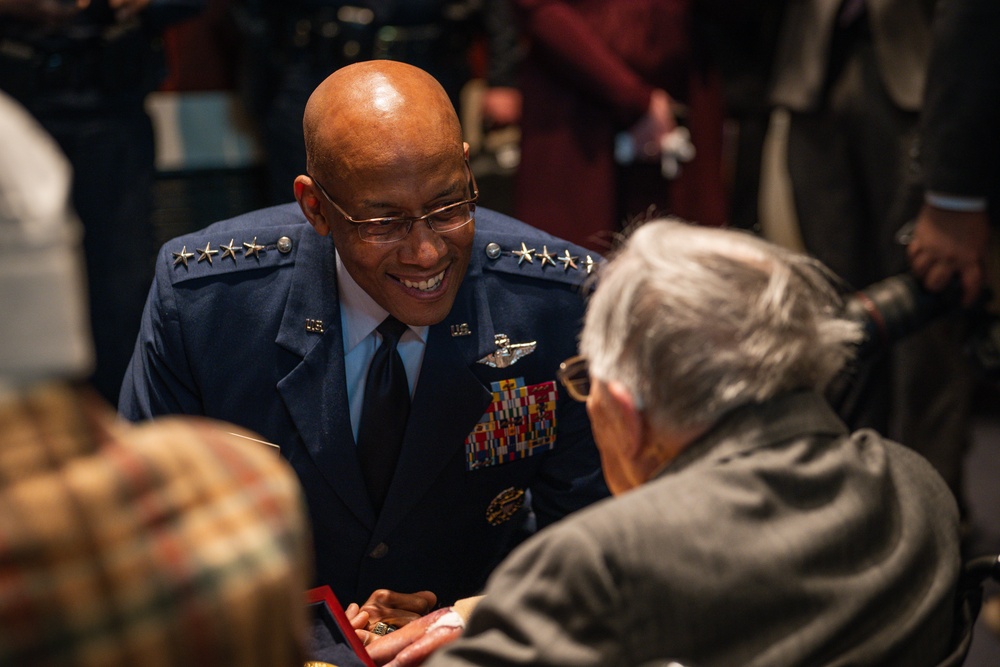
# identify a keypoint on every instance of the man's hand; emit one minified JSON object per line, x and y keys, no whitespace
{"x":359,"y":621}
{"x":411,"y":645}
{"x":396,"y":609}
{"x":950,"y":243}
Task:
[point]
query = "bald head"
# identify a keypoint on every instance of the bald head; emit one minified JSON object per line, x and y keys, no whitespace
{"x":374,"y":113}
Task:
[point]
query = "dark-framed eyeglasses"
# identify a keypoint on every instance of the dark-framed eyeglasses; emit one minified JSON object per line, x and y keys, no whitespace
{"x":443,"y":219}
{"x":574,"y":374}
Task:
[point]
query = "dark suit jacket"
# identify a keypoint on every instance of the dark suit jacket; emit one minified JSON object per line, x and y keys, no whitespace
{"x":960,"y":140}
{"x":257,"y":341}
{"x":777,"y":539}
{"x":900,"y":33}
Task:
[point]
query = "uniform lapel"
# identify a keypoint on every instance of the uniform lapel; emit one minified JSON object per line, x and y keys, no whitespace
{"x":315,"y":391}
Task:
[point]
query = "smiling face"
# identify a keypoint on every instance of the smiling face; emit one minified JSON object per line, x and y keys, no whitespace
{"x":415,"y":279}
{"x":384,"y":141}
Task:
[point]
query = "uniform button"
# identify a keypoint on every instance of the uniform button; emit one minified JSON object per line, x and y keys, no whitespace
{"x":493,"y":250}
{"x":284,"y":245}
{"x":381,"y":550}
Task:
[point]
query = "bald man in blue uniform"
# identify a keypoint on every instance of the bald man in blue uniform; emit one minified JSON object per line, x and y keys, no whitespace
{"x":269,"y":320}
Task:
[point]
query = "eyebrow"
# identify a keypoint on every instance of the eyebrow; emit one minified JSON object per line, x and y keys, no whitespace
{"x":450,"y":190}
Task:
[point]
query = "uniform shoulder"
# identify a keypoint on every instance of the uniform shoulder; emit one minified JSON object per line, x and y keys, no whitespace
{"x":512,"y":247}
{"x":261,"y":239}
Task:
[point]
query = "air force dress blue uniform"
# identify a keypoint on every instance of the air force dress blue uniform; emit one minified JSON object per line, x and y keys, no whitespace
{"x":243,"y":324}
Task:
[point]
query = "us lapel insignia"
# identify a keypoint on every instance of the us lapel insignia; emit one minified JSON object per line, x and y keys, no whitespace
{"x":314,"y":326}
{"x":507,"y":353}
{"x":504,"y":505}
{"x":460,"y":330}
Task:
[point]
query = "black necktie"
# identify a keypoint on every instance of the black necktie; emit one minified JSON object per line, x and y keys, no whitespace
{"x":384,"y":413}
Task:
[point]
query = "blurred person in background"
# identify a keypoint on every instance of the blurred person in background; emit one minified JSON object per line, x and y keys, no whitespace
{"x":958,"y":181}
{"x":291,"y":46}
{"x":852,"y":76}
{"x":601,"y":75}
{"x":83,"y":69}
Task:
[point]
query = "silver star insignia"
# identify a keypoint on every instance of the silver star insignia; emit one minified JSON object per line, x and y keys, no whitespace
{"x":229,"y":250}
{"x":524,"y":254}
{"x":182,"y":257}
{"x":568,"y":261}
{"x":252,"y":248}
{"x":589,"y":264}
{"x":206,"y":253}
{"x":546,"y":257}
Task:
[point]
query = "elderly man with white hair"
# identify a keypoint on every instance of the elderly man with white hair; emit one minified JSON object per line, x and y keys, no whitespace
{"x":749,"y":527}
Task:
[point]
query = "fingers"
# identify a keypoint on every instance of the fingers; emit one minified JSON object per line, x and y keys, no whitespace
{"x":365,"y":636}
{"x":416,"y":653}
{"x":950,"y":244}
{"x":385,"y":648}
{"x":397,"y":608}
{"x":938,"y":272}
{"x":359,"y":619}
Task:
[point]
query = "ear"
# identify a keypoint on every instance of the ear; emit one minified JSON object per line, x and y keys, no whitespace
{"x":308,"y":197}
{"x":631,"y":418}
{"x":465,"y":150}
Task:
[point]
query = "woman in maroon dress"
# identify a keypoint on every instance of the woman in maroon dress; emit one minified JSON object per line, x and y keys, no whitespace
{"x":597,"y":68}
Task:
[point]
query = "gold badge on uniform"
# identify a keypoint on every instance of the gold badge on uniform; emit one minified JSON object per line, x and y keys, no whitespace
{"x":504,"y":505}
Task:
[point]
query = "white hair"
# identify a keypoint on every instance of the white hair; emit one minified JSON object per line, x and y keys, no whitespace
{"x":696,"y":321}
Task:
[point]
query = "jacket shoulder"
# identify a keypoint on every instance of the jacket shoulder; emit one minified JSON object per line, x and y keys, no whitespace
{"x":511,"y":247}
{"x":263,"y":239}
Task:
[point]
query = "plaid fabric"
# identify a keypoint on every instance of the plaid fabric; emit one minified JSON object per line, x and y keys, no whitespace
{"x":169,"y":543}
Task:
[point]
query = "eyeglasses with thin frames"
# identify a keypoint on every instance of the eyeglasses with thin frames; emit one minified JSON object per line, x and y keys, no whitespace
{"x":443,"y":219}
{"x":574,"y":374}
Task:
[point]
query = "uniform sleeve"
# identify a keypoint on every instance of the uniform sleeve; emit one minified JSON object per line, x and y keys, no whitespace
{"x":158,"y":381}
{"x":554,"y":602}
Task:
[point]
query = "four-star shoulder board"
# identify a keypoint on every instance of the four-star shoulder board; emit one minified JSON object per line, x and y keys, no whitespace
{"x":204,"y":254}
{"x":548,"y":259}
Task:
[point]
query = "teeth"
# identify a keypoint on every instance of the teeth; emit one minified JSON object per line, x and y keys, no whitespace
{"x":424,"y":285}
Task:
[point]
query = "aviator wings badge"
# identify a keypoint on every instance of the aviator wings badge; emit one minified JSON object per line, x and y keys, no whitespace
{"x":507,"y":353}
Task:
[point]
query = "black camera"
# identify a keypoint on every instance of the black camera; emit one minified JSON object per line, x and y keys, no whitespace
{"x":898,"y":306}
{"x":892,"y":309}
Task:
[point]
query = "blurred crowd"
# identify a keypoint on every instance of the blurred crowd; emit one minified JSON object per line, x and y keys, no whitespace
{"x":584,"y":119}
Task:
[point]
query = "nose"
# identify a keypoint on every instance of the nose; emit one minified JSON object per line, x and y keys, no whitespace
{"x":422,"y":246}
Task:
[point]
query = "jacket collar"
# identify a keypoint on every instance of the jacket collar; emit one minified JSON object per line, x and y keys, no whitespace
{"x":788,"y":416}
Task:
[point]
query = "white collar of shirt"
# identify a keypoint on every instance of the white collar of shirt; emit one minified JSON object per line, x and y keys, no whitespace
{"x":359,"y":316}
